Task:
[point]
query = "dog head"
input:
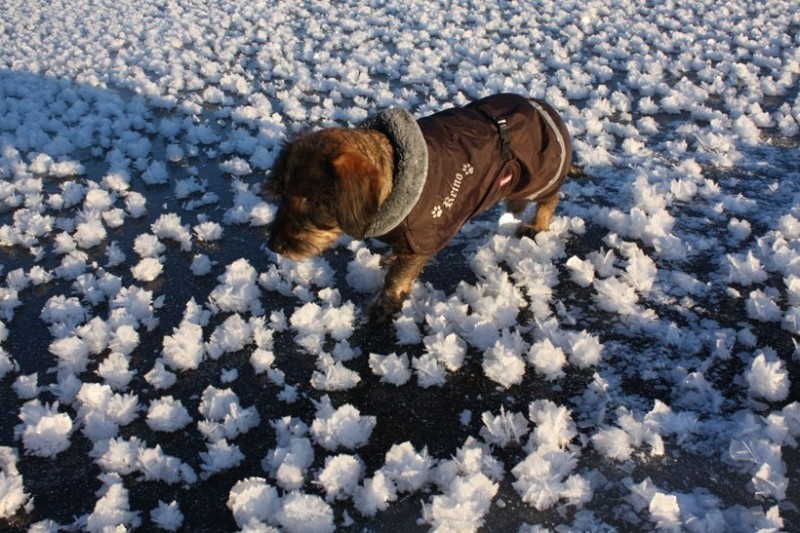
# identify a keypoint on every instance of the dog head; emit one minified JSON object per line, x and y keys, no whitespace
{"x":328,"y":183}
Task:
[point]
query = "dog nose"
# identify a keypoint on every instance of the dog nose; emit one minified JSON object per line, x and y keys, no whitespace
{"x":276,"y":244}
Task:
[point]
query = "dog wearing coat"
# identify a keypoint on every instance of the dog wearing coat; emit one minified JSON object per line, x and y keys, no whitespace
{"x":413,"y":183}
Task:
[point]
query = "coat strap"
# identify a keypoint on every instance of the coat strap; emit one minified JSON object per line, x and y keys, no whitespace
{"x":502,"y":129}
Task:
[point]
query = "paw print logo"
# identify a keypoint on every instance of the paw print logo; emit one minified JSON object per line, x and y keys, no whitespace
{"x":436,"y":212}
{"x":467,"y":169}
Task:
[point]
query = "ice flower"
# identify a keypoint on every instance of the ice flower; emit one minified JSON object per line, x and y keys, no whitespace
{"x":167,"y":414}
{"x":391,"y":368}
{"x":545,"y":477}
{"x":305,"y":513}
{"x":340,"y":476}
{"x":167,"y":516}
{"x":12,"y":492}
{"x":503,"y":429}
{"x":768,"y":377}
{"x":112,"y":510}
{"x":547,"y":359}
{"x":408,"y":468}
{"x":503,"y":363}
{"x":219,"y":456}
{"x":253,"y":499}
{"x":237,"y":292}
{"x":343,"y":427}
{"x":44,"y":431}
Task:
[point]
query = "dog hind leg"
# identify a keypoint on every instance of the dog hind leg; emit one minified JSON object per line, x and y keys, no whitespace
{"x":545,"y":208}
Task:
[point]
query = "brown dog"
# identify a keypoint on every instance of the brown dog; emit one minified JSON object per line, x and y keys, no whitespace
{"x":413,"y":184}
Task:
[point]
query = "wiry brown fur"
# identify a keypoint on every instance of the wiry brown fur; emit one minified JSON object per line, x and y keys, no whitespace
{"x":329,"y":182}
{"x":332,"y":182}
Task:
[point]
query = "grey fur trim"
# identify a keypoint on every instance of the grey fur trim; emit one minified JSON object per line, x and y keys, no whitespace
{"x":410,"y":168}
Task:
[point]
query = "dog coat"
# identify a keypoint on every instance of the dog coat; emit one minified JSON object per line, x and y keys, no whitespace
{"x":454,"y":164}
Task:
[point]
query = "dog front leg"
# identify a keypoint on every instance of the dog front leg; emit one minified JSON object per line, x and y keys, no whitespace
{"x":404,"y":268}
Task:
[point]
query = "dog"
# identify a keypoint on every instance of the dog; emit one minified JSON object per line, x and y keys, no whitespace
{"x":414,"y":183}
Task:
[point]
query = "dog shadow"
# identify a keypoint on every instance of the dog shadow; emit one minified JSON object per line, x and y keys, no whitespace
{"x":60,"y":140}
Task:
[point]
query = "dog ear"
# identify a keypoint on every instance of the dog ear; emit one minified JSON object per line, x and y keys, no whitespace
{"x":357,"y":192}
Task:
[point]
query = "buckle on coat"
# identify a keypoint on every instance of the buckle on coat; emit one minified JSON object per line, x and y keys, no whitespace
{"x":502,"y":129}
{"x":505,"y":140}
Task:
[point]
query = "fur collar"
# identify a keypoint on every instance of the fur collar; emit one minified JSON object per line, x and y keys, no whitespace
{"x":410,"y":167}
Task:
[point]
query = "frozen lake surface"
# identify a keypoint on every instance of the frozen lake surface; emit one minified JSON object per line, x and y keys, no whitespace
{"x":633,"y":368}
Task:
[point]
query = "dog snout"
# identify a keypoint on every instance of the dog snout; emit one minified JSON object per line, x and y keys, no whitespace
{"x":276,"y":244}
{"x":287,"y":246}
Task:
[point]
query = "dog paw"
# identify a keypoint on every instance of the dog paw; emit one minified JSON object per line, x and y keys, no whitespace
{"x":383,"y":308}
{"x":526,"y":230}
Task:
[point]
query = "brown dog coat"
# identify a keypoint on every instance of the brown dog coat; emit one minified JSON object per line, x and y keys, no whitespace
{"x":503,"y":147}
